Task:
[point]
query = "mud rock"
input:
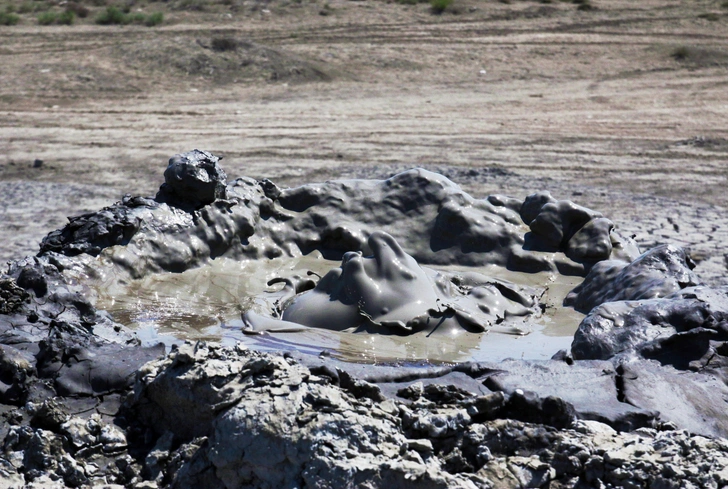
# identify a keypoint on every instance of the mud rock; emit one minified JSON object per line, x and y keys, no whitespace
{"x":557,"y":222}
{"x":690,"y":400}
{"x":258,"y":220}
{"x":12,"y":297}
{"x":17,"y":367}
{"x":659,"y":272}
{"x":592,"y":242}
{"x":92,"y":367}
{"x":194,"y":179}
{"x":31,"y":278}
{"x":685,"y":327}
{"x":588,"y":387}
{"x":91,"y":233}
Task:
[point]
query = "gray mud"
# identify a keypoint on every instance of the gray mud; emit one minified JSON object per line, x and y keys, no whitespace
{"x":362,"y":391}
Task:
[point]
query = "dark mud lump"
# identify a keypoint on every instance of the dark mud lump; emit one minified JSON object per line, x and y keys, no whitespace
{"x":194,"y":178}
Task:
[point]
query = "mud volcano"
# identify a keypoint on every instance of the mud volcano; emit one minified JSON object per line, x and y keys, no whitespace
{"x":361,"y":333}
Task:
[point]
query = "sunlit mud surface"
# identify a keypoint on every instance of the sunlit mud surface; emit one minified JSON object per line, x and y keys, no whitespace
{"x":206,"y":303}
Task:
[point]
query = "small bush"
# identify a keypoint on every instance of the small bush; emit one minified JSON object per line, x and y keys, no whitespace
{"x":10,"y":8}
{"x":47,"y":18}
{"x":724,"y":4}
{"x":154,"y":19}
{"x":439,"y":6}
{"x":8,"y":18}
{"x":136,"y":18}
{"x":710,"y":16}
{"x":112,"y":15}
{"x":78,"y":9}
{"x":66,"y":18}
{"x":681,"y":53}
{"x":224,"y":44}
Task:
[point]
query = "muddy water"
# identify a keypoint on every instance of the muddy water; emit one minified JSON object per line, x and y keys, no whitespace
{"x":206,"y":304}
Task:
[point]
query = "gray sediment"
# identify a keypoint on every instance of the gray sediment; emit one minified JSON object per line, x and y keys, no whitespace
{"x":636,"y":401}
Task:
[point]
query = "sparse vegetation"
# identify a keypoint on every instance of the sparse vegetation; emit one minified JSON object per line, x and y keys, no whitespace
{"x":411,"y":2}
{"x":47,"y":18}
{"x":439,"y":6}
{"x":583,"y":5}
{"x":224,"y":44}
{"x":30,"y":7}
{"x":67,"y":17}
{"x":154,"y":19}
{"x":114,"y":16}
{"x":711,"y":16}
{"x":8,"y":18}
{"x":681,"y":53}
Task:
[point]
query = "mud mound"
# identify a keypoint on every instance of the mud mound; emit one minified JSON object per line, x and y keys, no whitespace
{"x":651,"y":356}
{"x":222,"y":59}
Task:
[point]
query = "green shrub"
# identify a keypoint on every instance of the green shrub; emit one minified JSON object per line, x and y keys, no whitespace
{"x":154,"y":19}
{"x":439,"y":6}
{"x":47,"y":18}
{"x":8,"y":18}
{"x":66,"y":18}
{"x":136,"y":18}
{"x":112,"y":15}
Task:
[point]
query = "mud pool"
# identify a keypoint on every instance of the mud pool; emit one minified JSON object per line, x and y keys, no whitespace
{"x":206,"y":303}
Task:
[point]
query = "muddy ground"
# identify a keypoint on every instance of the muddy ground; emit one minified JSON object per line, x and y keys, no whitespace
{"x":622,"y":107}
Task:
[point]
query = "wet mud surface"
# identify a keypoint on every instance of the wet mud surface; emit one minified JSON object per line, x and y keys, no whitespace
{"x":91,"y":400}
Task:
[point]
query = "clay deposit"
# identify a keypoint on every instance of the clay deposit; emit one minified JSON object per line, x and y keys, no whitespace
{"x":91,"y":401}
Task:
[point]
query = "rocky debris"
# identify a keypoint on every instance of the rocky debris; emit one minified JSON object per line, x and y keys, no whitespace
{"x":12,"y":297}
{"x":271,"y":422}
{"x":72,"y":451}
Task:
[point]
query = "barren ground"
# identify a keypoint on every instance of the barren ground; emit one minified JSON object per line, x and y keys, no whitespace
{"x":623,"y":108}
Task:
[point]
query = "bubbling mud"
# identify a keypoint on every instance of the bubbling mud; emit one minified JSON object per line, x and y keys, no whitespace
{"x":206,"y":303}
{"x":390,"y":293}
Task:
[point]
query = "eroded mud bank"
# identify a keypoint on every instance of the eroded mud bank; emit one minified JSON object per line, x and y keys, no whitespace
{"x":410,"y":260}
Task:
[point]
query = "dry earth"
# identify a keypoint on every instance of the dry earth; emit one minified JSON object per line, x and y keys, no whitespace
{"x":623,"y":107}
